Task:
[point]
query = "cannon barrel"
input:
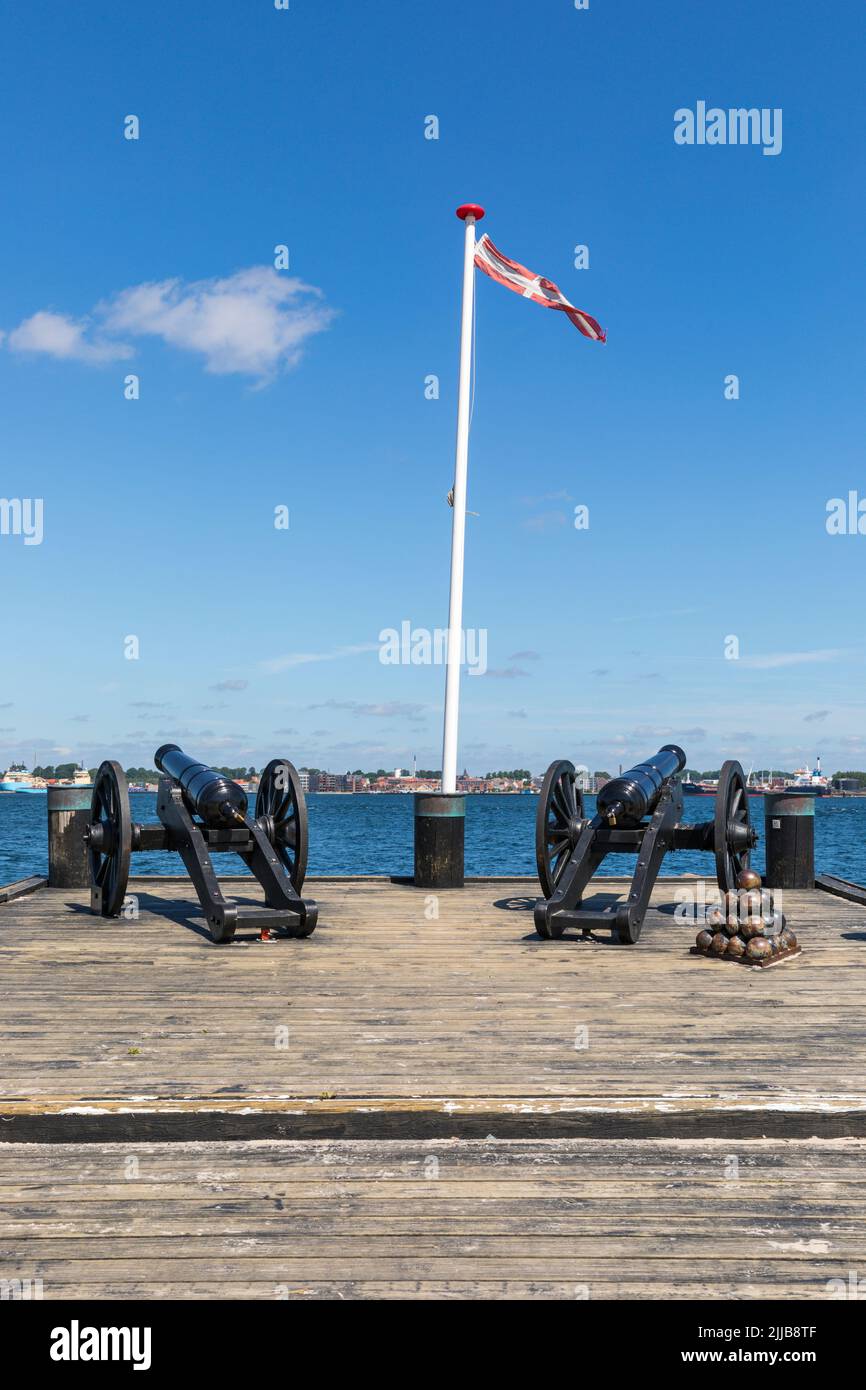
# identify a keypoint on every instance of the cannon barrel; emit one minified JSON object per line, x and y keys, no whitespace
{"x":213,"y":796}
{"x":636,"y":792}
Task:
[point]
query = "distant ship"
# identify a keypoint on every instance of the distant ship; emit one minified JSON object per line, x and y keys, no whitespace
{"x":79,"y":778}
{"x":17,"y":781}
{"x":699,"y":788}
{"x":807,"y":782}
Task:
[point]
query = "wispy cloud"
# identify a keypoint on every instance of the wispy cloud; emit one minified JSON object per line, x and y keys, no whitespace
{"x":525,"y":656}
{"x":772,"y":660}
{"x":816,"y":717}
{"x":545,"y":521}
{"x":283,"y":663}
{"x":230,"y":685}
{"x":652,"y":617}
{"x":560,"y":496}
{"x":506,"y":673}
{"x":255,"y":322}
{"x":396,"y":709}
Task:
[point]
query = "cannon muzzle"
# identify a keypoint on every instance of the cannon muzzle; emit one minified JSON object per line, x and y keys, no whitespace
{"x":636,"y":792}
{"x":212,"y":795}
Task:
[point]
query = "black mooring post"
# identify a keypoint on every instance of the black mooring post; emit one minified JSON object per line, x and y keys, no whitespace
{"x":68,"y":818}
{"x":439,"y":821}
{"x":789,"y":825}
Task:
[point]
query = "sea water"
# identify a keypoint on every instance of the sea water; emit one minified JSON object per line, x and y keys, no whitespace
{"x":372,"y":834}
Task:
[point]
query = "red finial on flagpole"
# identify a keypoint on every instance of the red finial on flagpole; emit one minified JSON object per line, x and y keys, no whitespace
{"x":470,"y":210}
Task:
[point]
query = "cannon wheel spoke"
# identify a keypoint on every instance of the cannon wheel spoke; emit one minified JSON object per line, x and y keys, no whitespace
{"x":559,"y":803}
{"x":731,"y":818}
{"x":109,"y":808}
{"x":280,"y":797}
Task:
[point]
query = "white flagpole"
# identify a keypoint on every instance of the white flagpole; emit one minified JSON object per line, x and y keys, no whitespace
{"x":470,"y":214}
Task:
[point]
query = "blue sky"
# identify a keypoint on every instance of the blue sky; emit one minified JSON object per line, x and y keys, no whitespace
{"x":305,"y":127}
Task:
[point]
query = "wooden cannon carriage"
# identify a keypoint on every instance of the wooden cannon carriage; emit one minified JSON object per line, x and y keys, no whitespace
{"x":202,"y":812}
{"x":638,"y":812}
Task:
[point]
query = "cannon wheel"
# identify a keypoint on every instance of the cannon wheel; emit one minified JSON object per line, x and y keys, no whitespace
{"x":560,"y":802}
{"x":731,"y":821}
{"x":109,"y":865}
{"x":281,"y":800}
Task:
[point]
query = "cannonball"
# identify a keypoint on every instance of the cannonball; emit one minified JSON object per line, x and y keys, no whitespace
{"x":747,"y":878}
{"x":751,"y":928}
{"x":736,"y":947}
{"x":752,"y":903}
{"x":704,"y":941}
{"x":759,"y":948}
{"x":715,"y":918}
{"x":719,"y":944}
{"x":788,"y":939}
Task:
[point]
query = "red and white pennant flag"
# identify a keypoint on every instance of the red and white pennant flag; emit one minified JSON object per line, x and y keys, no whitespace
{"x":522,"y":281}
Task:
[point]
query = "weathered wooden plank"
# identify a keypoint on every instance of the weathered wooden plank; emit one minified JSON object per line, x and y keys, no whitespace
{"x":553,"y":1219}
{"x":440,"y":1289}
{"x":812,"y":1271}
{"x":842,"y":888}
{"x":21,"y":887}
{"x":521,"y":1250}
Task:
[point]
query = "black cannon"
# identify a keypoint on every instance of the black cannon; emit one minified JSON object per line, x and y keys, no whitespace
{"x":203,"y":812}
{"x":638,"y":812}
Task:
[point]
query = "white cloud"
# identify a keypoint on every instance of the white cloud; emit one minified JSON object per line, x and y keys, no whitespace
{"x":255,"y":322}
{"x":57,"y":335}
{"x":776,"y":659}
{"x":282,"y":663}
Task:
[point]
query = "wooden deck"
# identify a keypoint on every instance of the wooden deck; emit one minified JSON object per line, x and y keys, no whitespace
{"x":468,"y":1219}
{"x":402,"y":1106}
{"x":387,"y":1025}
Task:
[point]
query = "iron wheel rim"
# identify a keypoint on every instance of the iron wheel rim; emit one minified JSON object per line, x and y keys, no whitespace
{"x":109,"y":808}
{"x":560,"y":802}
{"x":732,"y":810}
{"x":281,"y":799}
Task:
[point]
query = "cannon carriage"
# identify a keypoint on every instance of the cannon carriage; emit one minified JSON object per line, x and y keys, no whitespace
{"x":636,"y":813}
{"x":202,"y":812}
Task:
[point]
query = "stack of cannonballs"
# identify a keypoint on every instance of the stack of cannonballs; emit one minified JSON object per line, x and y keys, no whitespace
{"x":746,"y":928}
